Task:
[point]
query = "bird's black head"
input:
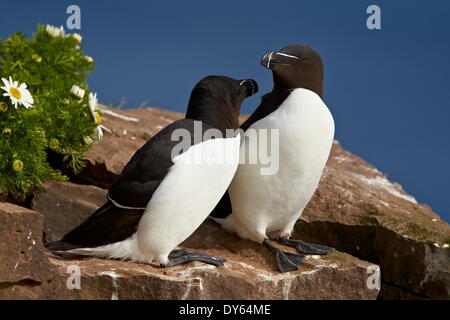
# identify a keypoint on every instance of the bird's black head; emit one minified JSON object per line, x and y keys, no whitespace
{"x":295,"y":66}
{"x":217,"y":100}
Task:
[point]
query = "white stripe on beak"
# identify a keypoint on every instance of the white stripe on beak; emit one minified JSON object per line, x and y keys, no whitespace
{"x":287,"y":55}
{"x":270,"y":59}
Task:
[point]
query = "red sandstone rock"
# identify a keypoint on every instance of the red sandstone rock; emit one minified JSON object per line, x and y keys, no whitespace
{"x":250,"y":272}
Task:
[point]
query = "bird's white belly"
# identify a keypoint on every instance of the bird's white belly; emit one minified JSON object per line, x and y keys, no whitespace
{"x":269,"y":203}
{"x":187,"y":195}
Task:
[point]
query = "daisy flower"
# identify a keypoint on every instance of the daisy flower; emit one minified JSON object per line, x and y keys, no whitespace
{"x":93,"y":101}
{"x":36,"y":58}
{"x":87,"y":140}
{"x":3,"y":106}
{"x":92,"y":105}
{"x":77,"y":91}
{"x":17,"y":94}
{"x":53,"y":31}
{"x":17,"y":165}
{"x":77,"y":37}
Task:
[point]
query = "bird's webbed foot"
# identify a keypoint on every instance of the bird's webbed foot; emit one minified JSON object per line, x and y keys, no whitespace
{"x":182,"y":256}
{"x":305,"y":247}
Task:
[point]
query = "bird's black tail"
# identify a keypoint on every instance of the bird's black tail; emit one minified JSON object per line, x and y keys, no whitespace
{"x":60,"y":246}
{"x":108,"y":224}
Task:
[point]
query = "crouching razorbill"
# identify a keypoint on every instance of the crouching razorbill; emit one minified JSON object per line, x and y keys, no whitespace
{"x":268,"y":206}
{"x":166,"y":190}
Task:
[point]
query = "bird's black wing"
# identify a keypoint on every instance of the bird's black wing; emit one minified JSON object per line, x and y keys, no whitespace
{"x":108,"y":224}
{"x":129,"y":194}
{"x":149,"y":165}
{"x":223,"y":208}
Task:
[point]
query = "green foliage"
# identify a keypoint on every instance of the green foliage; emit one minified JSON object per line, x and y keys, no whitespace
{"x":49,"y":64}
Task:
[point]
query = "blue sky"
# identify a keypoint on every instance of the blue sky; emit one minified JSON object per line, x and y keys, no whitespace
{"x":387,"y":89}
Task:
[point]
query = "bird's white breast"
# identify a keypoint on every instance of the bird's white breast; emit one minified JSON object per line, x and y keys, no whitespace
{"x":186,"y":196}
{"x":274,"y":202}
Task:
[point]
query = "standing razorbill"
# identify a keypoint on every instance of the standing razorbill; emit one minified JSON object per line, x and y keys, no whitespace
{"x":265,"y":206}
{"x":162,"y":197}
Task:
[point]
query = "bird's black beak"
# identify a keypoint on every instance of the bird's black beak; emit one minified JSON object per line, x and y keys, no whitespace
{"x":269,"y":61}
{"x":267,"y":58}
{"x":251,"y":86}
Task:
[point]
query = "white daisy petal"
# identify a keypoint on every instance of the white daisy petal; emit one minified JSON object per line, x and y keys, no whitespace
{"x":99,"y":132}
{"x":105,"y":128}
{"x":93,"y":103}
{"x":77,"y":91}
{"x":54,"y":32}
{"x":78,"y":38}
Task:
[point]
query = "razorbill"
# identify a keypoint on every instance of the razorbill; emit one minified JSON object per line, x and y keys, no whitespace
{"x":162,"y":197}
{"x":268,"y":206}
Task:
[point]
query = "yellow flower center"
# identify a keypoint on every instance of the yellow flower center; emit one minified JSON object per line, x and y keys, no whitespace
{"x":15,"y":93}
{"x":53,"y":143}
{"x":17,"y":165}
{"x":97,"y":118}
{"x":3,"y":106}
